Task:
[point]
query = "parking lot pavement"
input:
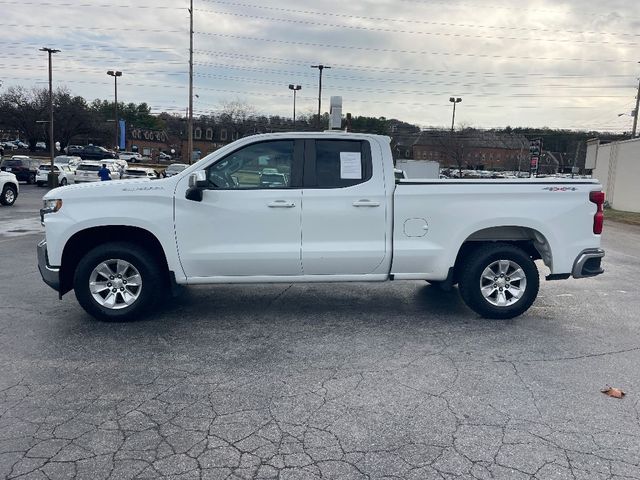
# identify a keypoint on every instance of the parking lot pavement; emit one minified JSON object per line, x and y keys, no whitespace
{"x":393,"y":380}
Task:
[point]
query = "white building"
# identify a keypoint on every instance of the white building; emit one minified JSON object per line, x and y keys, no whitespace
{"x":617,"y":166}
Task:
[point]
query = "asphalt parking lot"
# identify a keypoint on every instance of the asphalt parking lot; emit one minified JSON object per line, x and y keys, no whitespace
{"x":392,"y":380}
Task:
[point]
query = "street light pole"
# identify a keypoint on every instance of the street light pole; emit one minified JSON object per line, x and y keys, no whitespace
{"x":190,"y":117}
{"x":635,"y":112}
{"x":320,"y":67}
{"x":115,"y":75}
{"x":52,"y":178}
{"x":454,"y":101}
{"x":295,"y":88}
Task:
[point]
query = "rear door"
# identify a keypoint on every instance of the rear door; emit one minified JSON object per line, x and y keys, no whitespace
{"x":344,"y":209}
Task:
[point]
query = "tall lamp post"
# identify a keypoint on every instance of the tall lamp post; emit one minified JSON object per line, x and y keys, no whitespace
{"x":454,"y":101}
{"x":115,"y":75}
{"x":320,"y":67}
{"x":52,"y":179}
{"x":295,"y":89}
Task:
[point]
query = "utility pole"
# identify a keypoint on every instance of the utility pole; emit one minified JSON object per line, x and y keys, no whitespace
{"x":454,"y":101}
{"x":635,"y":112}
{"x":52,"y":179}
{"x":190,"y":118}
{"x":295,"y":89}
{"x":320,"y":67}
{"x":115,"y":75}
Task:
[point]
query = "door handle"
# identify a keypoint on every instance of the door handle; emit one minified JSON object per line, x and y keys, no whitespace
{"x":365,"y":203}
{"x":281,"y":204}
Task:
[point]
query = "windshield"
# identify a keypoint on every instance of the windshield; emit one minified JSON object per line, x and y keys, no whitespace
{"x":12,"y":163}
{"x":89,"y":168}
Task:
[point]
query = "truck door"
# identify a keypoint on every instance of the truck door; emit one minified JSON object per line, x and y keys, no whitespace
{"x":248,"y":222}
{"x":344,"y":209}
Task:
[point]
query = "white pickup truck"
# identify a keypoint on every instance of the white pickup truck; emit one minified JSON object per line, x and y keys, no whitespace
{"x":315,"y":207}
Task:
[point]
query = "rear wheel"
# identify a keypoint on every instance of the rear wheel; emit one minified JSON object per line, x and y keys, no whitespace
{"x":9,"y":195}
{"x":117,"y":281}
{"x":31,"y":179}
{"x":63,"y":182}
{"x":499,"y":281}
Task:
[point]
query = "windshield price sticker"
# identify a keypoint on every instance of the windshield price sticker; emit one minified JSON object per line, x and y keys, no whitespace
{"x":350,"y":166}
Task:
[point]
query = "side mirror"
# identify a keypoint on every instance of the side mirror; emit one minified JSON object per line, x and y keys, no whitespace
{"x":197,"y":183}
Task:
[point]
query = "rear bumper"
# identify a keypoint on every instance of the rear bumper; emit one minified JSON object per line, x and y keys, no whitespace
{"x":50,"y":275}
{"x":588,"y":263}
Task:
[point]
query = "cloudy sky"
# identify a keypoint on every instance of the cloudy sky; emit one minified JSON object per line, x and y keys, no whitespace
{"x":565,"y":64}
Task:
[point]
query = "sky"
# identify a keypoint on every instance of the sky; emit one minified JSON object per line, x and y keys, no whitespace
{"x":559,"y":64}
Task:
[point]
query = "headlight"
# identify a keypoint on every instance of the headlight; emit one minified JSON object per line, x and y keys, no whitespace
{"x":52,"y":206}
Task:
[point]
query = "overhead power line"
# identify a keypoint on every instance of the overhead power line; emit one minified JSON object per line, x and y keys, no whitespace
{"x":413,"y":21}
{"x":415,"y":52}
{"x":599,"y":41}
{"x":403,"y":71}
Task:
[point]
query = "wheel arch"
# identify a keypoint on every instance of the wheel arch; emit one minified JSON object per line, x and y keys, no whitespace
{"x":85,"y":240}
{"x":531,"y":240}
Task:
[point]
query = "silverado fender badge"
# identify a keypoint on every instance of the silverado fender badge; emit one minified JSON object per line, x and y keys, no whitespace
{"x":141,"y":189}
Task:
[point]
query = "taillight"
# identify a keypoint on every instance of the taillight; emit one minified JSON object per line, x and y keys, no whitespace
{"x":598,"y":219}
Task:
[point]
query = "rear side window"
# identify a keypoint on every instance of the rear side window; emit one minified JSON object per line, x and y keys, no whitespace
{"x":341,"y":163}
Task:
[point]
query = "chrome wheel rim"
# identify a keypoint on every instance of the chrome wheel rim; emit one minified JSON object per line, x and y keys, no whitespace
{"x":503,"y":283}
{"x":115,"y":284}
{"x":9,"y":196}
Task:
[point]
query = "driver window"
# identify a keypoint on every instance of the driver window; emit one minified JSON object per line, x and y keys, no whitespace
{"x":260,"y":165}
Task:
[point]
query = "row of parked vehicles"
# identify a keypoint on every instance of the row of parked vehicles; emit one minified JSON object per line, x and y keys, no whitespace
{"x":73,"y":169}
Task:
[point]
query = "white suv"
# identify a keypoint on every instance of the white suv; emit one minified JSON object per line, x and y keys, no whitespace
{"x":65,"y":174}
{"x":132,"y":157}
{"x":8,"y":188}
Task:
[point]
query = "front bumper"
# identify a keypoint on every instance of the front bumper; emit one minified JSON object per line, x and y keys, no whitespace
{"x":588,"y":263}
{"x":50,"y":275}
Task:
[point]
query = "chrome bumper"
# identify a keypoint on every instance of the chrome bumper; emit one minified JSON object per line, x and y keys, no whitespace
{"x":587,"y":264}
{"x":50,"y":275}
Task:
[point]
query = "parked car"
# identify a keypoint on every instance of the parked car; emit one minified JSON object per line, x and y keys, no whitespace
{"x":66,"y":176}
{"x":133,"y":157}
{"x":93,"y":152}
{"x":164,"y":157}
{"x":342,"y":217}
{"x":87,"y":171}
{"x":73,"y":150}
{"x":41,"y":146}
{"x":140,"y":172}
{"x":9,"y":188}
{"x":23,"y":167}
{"x":70,"y":160}
{"x":174,"y":169}
{"x":9,"y":146}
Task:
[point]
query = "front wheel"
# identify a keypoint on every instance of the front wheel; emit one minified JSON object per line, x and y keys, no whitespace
{"x":9,"y":195}
{"x":63,"y":182}
{"x":499,"y":281}
{"x":117,"y":281}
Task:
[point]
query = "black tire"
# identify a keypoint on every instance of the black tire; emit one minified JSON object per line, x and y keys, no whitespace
{"x":471,"y":281}
{"x":150,"y":271}
{"x":31,"y":179}
{"x":9,"y":195}
{"x":40,"y":184}
{"x":63,"y":182}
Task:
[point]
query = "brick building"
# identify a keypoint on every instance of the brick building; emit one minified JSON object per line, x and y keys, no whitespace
{"x":476,"y":149}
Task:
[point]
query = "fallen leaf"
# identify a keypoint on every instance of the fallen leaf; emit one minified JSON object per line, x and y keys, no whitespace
{"x":613,"y":392}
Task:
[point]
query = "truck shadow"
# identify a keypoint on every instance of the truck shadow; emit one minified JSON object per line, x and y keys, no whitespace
{"x":405,"y":301}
